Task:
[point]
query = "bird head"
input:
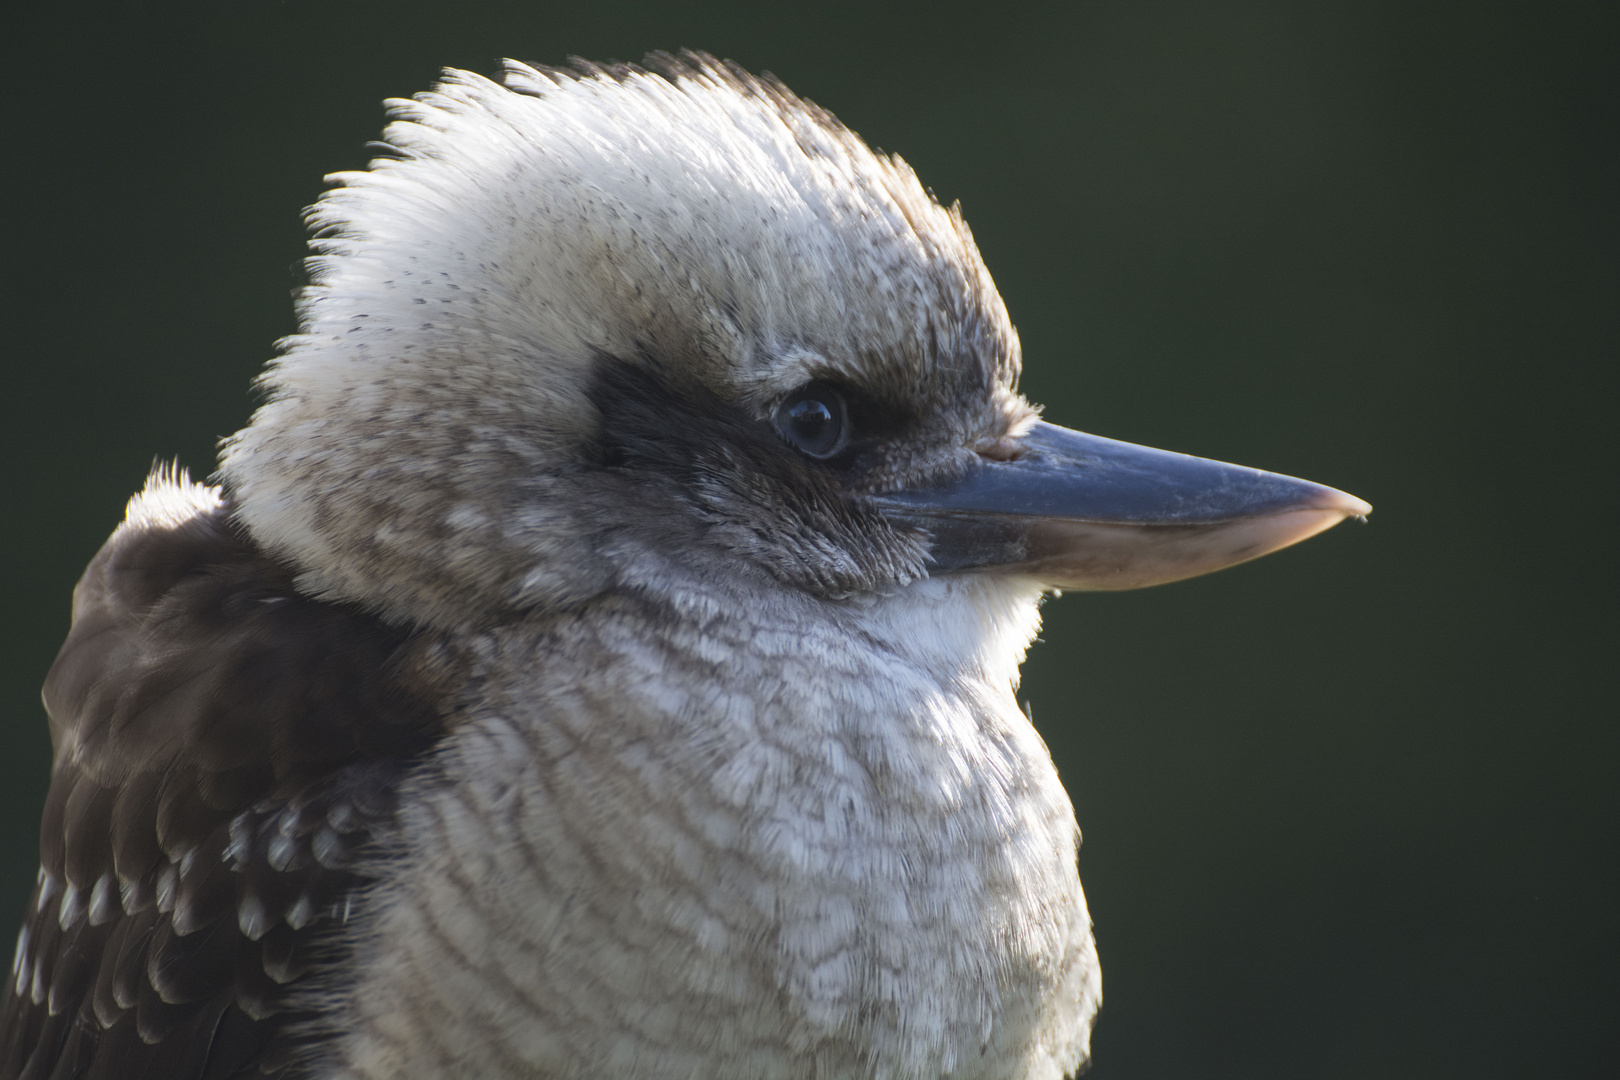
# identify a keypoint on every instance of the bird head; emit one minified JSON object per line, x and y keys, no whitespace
{"x":582,"y":322}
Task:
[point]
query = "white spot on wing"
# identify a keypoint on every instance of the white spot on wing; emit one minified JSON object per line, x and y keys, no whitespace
{"x":279,"y":967}
{"x":20,"y":957}
{"x":132,"y":895}
{"x":281,"y":851}
{"x":72,"y":907}
{"x":301,"y":912}
{"x":102,"y":908}
{"x":166,"y":884}
{"x":343,"y":817}
{"x":241,"y":845}
{"x":252,"y":918}
{"x":329,"y":850}
{"x":287,"y":824}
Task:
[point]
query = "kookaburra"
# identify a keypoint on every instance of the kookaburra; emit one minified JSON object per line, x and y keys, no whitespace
{"x":597,"y":656}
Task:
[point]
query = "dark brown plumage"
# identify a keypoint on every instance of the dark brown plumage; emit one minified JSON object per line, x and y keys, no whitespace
{"x":224,"y":748}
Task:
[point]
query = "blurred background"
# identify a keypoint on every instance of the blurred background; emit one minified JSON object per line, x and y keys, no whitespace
{"x":1350,"y":811}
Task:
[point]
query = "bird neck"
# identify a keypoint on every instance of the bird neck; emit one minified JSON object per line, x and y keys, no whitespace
{"x":665,"y":817}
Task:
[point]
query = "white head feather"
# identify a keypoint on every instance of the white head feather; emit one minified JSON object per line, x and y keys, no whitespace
{"x":416,"y":448}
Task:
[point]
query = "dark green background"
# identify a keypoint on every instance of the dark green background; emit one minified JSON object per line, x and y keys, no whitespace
{"x":1351,"y":811}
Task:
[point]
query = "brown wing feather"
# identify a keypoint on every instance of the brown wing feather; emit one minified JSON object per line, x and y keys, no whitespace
{"x":226,"y":750}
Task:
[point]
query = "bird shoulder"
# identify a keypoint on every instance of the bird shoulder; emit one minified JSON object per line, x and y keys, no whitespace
{"x":227,"y":754}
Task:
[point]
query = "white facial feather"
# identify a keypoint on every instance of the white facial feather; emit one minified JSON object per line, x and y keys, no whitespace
{"x":463,"y":288}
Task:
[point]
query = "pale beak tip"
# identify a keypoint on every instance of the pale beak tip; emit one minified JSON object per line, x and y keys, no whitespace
{"x":1343,"y":503}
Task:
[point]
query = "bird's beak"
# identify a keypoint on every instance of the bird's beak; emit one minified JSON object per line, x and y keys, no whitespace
{"x":1078,"y":511}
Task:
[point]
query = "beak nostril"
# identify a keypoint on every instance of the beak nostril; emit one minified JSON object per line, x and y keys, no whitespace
{"x":1000,"y":448}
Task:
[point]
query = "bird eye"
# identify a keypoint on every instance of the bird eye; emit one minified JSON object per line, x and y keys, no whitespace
{"x":814,"y":419}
